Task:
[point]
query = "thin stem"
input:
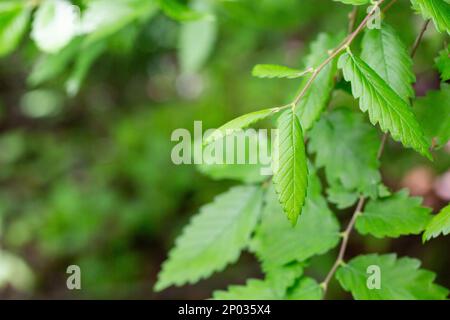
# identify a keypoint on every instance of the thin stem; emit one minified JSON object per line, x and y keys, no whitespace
{"x":362,"y":199}
{"x":336,"y":52}
{"x":352,"y":19}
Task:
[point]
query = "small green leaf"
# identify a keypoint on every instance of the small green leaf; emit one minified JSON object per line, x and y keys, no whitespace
{"x":443,"y":63}
{"x":14,"y":17}
{"x":440,"y":224}
{"x":254,"y":289}
{"x":393,"y":216}
{"x":277,"y":71}
{"x":239,"y":123}
{"x":400,"y":279}
{"x":384,"y":106}
{"x":385,"y":53}
{"x":316,"y":98}
{"x":277,"y":243}
{"x":179,"y":11}
{"x":290,"y":170}
{"x":305,"y":289}
{"x":214,"y":237}
{"x":281,"y":278}
{"x":354,"y":2}
{"x":436,"y":10}
{"x":433,"y":113}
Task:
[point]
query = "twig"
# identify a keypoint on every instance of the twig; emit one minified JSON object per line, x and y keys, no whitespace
{"x":352,"y":19}
{"x":362,"y":199}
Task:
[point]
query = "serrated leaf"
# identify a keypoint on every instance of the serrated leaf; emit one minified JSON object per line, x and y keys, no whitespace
{"x":440,"y":224}
{"x":433,"y":113}
{"x":14,"y":18}
{"x":290,"y":169}
{"x":277,"y":243}
{"x":354,"y":2}
{"x":383,"y":105}
{"x":393,"y":216}
{"x":316,"y":97}
{"x":347,"y":148}
{"x":254,"y":289}
{"x":443,"y":63}
{"x":276,"y":71}
{"x":55,"y":24}
{"x":178,"y":10}
{"x":401,"y":279}
{"x":341,"y":197}
{"x":214,"y":238}
{"x":436,"y":10}
{"x":305,"y":289}
{"x":384,"y":52}
{"x":280,"y":278}
{"x":239,"y":123}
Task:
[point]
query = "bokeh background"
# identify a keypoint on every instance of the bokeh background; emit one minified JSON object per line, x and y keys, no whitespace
{"x":86,"y":176}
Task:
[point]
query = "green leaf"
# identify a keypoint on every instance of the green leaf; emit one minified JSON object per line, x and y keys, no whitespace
{"x":384,"y":52}
{"x":433,"y":113}
{"x":277,"y":71}
{"x":179,"y":11}
{"x":214,"y":238}
{"x":281,"y":278}
{"x":393,"y":216}
{"x":290,"y":170}
{"x":55,"y":24}
{"x":239,"y":123}
{"x":436,"y":10}
{"x":305,"y":289}
{"x":14,"y":17}
{"x":401,"y":279}
{"x":347,"y":147}
{"x":317,"y":96}
{"x":439,"y":224}
{"x":254,"y":289}
{"x":354,"y":2}
{"x":443,"y":63}
{"x":383,"y":105}
{"x":277,"y":243}
{"x":341,"y":197}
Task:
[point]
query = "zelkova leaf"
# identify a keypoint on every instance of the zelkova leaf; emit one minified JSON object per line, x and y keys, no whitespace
{"x":384,"y":52}
{"x":382,"y":103}
{"x":354,"y":2}
{"x":316,"y":97}
{"x":178,"y":10}
{"x":393,"y":216}
{"x":347,"y":147}
{"x":277,"y":71}
{"x":433,"y":113}
{"x":440,"y":224}
{"x":443,"y":63}
{"x":55,"y":24}
{"x":213,"y":238}
{"x":399,"y":279}
{"x":254,"y":289}
{"x":305,"y":289}
{"x":436,"y":10}
{"x":14,"y":17}
{"x":239,"y":123}
{"x":277,"y":243}
{"x":290,"y":170}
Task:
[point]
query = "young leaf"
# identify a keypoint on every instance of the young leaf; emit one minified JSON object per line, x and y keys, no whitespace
{"x":55,"y":24}
{"x":347,"y":147}
{"x":439,"y":224}
{"x":14,"y":17}
{"x":277,"y":71}
{"x":394,"y":216}
{"x":382,"y":103}
{"x":316,"y":98}
{"x":436,"y":10}
{"x":400,"y":279}
{"x":384,"y":52}
{"x":354,"y":2}
{"x":305,"y":289}
{"x":290,"y":170}
{"x":433,"y":113}
{"x":239,"y":123}
{"x":443,"y":63}
{"x":214,"y":237}
{"x":254,"y":289}
{"x":179,"y":11}
{"x":277,"y":243}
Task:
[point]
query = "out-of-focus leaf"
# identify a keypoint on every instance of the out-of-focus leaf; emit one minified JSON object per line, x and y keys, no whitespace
{"x":305,"y":289}
{"x":254,"y":289}
{"x":14,"y":271}
{"x":179,"y":11}
{"x":14,"y":17}
{"x":443,"y":63}
{"x":354,"y":2}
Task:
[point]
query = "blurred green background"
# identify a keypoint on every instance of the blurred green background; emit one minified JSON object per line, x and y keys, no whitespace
{"x":86,"y":176}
